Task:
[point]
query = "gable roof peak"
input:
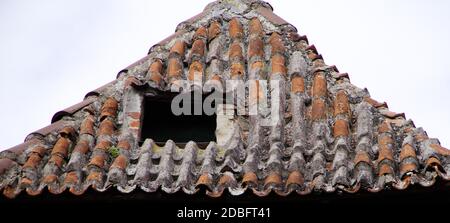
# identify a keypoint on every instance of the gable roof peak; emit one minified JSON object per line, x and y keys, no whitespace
{"x":237,"y":5}
{"x":332,"y":137}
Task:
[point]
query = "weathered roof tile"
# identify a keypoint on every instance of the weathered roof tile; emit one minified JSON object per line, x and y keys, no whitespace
{"x":236,"y":51}
{"x":155,"y":71}
{"x":106,"y":127}
{"x":178,"y":48}
{"x":109,"y":108}
{"x":331,"y":135}
{"x":298,"y":84}
{"x":214,"y":30}
{"x":61,"y":147}
{"x":120,"y":162}
{"x":32,"y":161}
{"x":198,"y":48}
{"x":235,"y":29}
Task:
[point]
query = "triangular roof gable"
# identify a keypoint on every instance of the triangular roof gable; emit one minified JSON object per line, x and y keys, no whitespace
{"x":334,"y":135}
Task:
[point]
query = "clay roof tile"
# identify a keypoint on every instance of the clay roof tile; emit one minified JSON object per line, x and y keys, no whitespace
{"x":322,"y":112}
{"x":235,"y":29}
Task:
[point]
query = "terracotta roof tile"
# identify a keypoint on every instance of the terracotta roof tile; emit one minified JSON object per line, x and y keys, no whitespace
{"x":318,"y":110}
{"x":384,"y":127}
{"x":71,"y":178}
{"x":407,"y":167}
{"x":198,"y":48}
{"x":98,"y":160}
{"x":341,"y":76}
{"x":67,"y":132}
{"x":225,"y":180}
{"x":295,"y":177}
{"x":195,"y":71}
{"x":440,"y":150}
{"x":236,"y":51}
{"x":26,"y":182}
{"x":273,"y":178}
{"x":155,"y":71}
{"x":311,"y":51}
{"x":256,"y":93}
{"x":106,"y":127}
{"x":250,"y":178}
{"x":421,"y":137}
{"x":407,"y":151}
{"x":214,"y":30}
{"x":174,"y":68}
{"x":257,"y":65}
{"x":385,"y":169}
{"x":39,"y":150}
{"x":237,"y":69}
{"x":205,"y":179}
{"x":49,"y":179}
{"x":109,"y":108}
{"x":255,"y":27}
{"x":156,"y":66}
{"x":120,"y":162}
{"x":385,"y":150}
{"x":57,"y":160}
{"x":235,"y":29}
{"x":256,"y":48}
{"x":391,"y":114}
{"x":82,"y":147}
{"x":201,"y":33}
{"x":341,"y":104}
{"x":32,"y":161}
{"x":124,"y":144}
{"x":319,"y":85}
{"x":318,"y":57}
{"x":61,"y":147}
{"x":375,"y":103}
{"x":298,"y":84}
{"x":362,"y":156}
{"x":178,"y":48}
{"x":87,"y":126}
{"x":276,"y":43}
{"x":332,"y":136}
{"x":103,"y":145}
{"x":433,"y":161}
{"x":341,"y":128}
{"x":94,"y":177}
{"x":278,"y":64}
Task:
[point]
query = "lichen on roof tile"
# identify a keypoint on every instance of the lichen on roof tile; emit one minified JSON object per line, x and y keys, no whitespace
{"x":333,"y":136}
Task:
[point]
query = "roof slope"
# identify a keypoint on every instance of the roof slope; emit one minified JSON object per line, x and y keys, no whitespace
{"x":333,"y":137}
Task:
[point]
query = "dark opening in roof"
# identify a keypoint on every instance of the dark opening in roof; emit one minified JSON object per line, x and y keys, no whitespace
{"x":161,"y":124}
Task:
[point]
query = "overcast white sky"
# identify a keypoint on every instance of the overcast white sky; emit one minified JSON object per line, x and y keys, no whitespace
{"x":53,"y":52}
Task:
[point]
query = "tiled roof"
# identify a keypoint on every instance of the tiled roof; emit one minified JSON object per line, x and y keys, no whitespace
{"x":333,"y":137}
